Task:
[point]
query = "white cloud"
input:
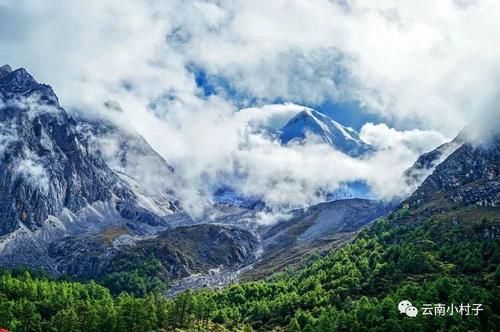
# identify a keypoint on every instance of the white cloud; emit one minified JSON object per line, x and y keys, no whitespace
{"x":425,"y":64}
{"x":272,"y":116}
{"x":434,"y":63}
{"x":224,"y":147}
{"x":416,"y":140}
{"x":31,"y":169}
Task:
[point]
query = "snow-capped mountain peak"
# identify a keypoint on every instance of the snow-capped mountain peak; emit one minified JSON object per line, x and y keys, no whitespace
{"x":309,"y":122}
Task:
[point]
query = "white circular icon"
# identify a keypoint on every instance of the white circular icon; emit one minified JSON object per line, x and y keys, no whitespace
{"x":403,"y":305}
{"x":411,"y":311}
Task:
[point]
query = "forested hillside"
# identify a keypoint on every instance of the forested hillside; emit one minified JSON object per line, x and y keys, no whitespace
{"x":36,"y":303}
{"x":449,"y":258}
{"x":452,"y":257}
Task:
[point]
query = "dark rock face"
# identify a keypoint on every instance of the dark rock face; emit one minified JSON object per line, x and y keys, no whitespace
{"x":181,"y":251}
{"x":20,"y":84}
{"x":470,"y":175}
{"x":45,"y":167}
{"x":5,"y":69}
{"x":426,"y":163}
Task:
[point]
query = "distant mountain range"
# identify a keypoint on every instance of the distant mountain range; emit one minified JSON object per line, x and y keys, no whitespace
{"x":80,"y":193}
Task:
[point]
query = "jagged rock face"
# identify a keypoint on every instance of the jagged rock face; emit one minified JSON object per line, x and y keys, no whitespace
{"x":426,"y":163}
{"x":45,"y":167}
{"x":470,"y":175}
{"x":5,"y":69}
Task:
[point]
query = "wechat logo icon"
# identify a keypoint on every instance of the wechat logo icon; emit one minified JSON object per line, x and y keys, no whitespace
{"x":405,"y":307}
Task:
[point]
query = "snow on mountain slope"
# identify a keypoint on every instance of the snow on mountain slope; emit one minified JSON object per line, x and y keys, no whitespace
{"x":51,"y":167}
{"x":312,"y":123}
{"x":131,"y":158}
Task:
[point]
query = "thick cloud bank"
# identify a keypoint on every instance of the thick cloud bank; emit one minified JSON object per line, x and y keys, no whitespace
{"x":428,"y":68}
{"x":240,"y":150}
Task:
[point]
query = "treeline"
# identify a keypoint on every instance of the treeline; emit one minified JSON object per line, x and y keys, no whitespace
{"x":449,"y":258}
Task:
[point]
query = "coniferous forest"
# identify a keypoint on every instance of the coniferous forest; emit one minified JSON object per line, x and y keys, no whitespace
{"x":447,"y":258}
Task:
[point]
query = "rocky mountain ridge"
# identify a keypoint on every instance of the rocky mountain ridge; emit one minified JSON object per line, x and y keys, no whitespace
{"x":427,"y":162}
{"x":45,"y":167}
{"x":67,"y":179}
{"x":470,"y":175}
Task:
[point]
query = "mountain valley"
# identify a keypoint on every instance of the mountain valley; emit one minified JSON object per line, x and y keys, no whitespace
{"x":86,"y":199}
